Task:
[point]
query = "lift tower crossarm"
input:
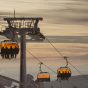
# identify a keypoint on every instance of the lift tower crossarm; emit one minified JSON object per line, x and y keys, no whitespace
{"x":30,"y":25}
{"x":32,"y":18}
{"x":23,"y":22}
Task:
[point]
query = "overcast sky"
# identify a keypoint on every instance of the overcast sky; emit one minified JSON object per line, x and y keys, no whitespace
{"x":61,"y":17}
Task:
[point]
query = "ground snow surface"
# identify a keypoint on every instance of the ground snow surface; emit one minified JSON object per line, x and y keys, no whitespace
{"x":74,"y":82}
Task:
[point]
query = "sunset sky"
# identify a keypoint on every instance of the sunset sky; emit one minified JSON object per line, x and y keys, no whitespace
{"x":60,"y":18}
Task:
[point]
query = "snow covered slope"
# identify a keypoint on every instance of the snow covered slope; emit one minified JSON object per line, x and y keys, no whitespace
{"x":74,"y":82}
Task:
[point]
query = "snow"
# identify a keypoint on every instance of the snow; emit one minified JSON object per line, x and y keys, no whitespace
{"x":73,"y":82}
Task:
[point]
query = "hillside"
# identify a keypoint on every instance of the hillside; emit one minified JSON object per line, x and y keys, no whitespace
{"x":74,"y":82}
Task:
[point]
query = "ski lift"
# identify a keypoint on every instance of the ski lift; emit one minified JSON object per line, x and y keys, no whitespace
{"x":9,"y":49}
{"x":64,"y":73}
{"x":43,"y":76}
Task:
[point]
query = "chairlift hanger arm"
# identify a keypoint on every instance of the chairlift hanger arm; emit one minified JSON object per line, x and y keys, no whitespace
{"x":40,"y":67}
{"x":65,"y":57}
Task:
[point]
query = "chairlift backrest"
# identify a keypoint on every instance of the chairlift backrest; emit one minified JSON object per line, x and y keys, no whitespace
{"x":43,"y":77}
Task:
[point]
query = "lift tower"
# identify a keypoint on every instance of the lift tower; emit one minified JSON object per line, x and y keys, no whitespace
{"x":23,"y":27}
